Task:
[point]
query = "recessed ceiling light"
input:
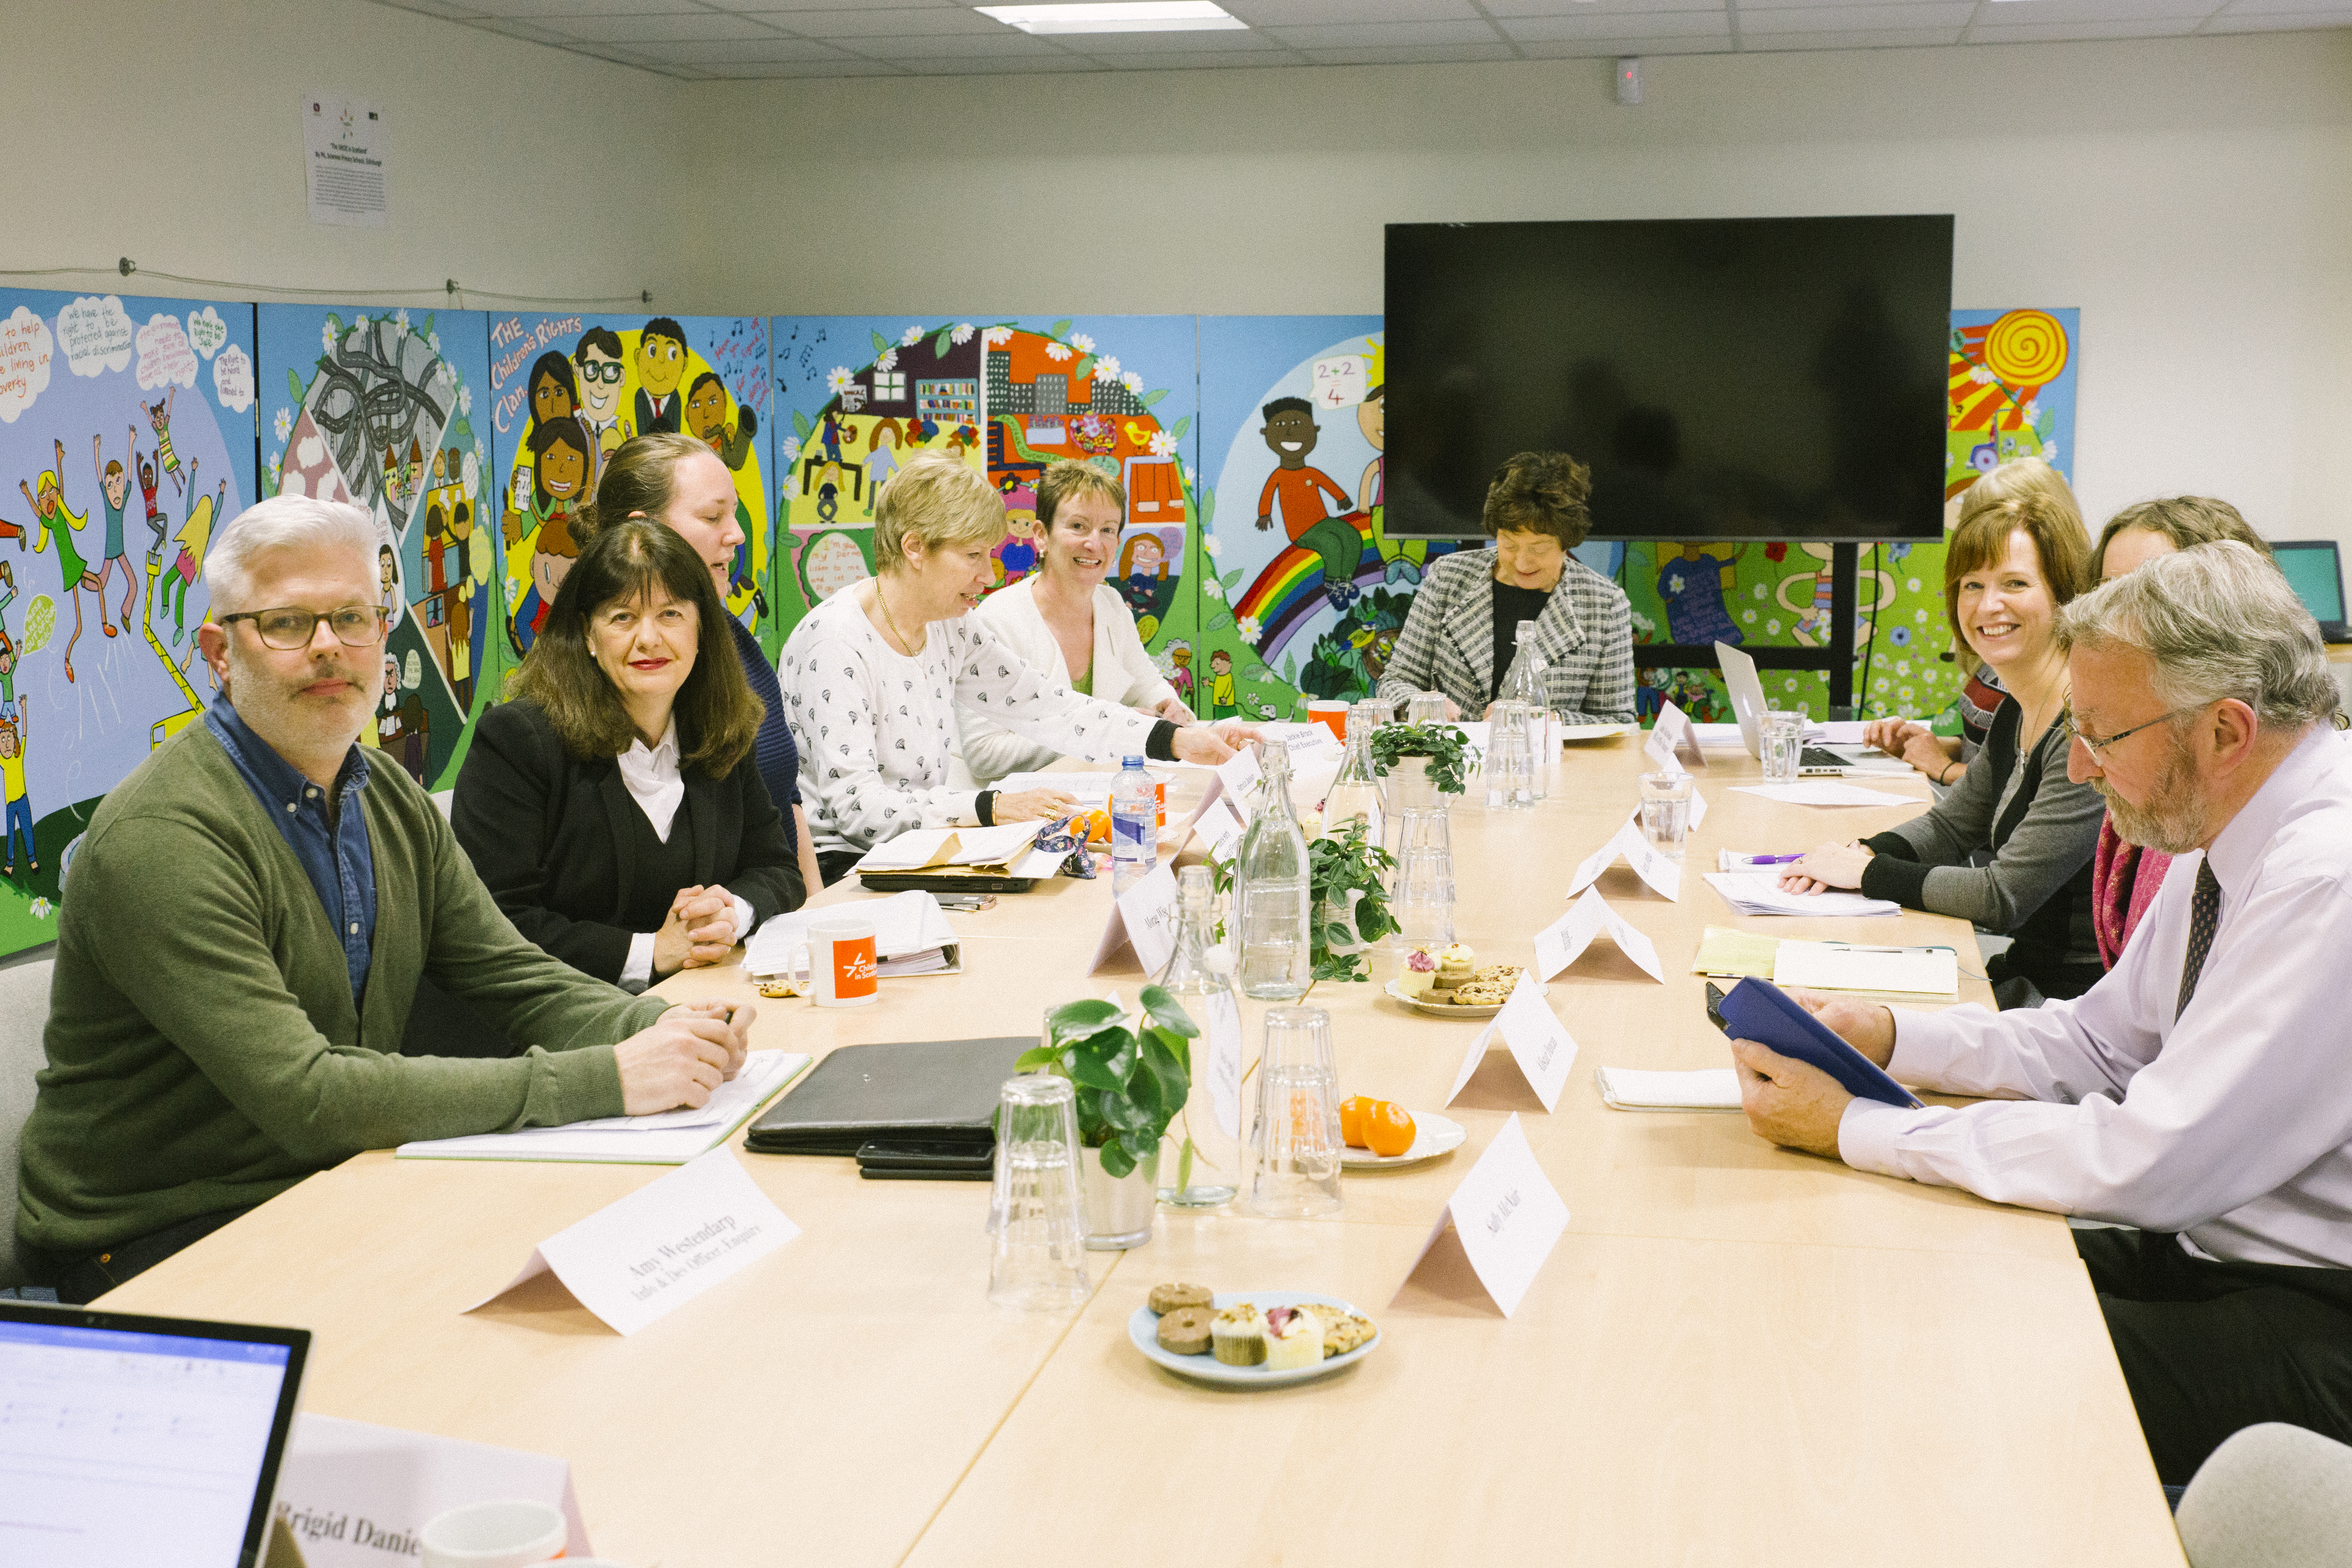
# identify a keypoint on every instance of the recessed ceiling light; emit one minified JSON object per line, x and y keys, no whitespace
{"x":1117,"y":16}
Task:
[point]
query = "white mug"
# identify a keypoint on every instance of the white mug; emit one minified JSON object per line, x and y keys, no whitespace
{"x":495,"y":1535}
{"x":840,"y":962}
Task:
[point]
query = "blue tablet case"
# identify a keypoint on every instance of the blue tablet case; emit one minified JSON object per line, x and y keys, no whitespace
{"x":1761,"y":1011}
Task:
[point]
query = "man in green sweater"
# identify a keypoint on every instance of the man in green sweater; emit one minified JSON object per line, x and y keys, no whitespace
{"x":243,"y":931}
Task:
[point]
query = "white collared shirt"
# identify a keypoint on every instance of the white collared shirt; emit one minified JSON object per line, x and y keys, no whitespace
{"x":653,"y":781}
{"x":2231,"y":1125}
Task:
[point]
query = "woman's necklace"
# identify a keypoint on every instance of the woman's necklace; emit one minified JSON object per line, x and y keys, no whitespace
{"x":906,"y":645}
{"x":2035,"y":714}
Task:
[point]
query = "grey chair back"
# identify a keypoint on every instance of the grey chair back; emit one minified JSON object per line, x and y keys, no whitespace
{"x":24,"y":1014}
{"x":2273,"y":1496}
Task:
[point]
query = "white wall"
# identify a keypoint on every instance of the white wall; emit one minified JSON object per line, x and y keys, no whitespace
{"x":172,"y":133}
{"x":2193,"y":197}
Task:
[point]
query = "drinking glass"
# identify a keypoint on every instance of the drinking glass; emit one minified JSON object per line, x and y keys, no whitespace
{"x":1294,"y":1148}
{"x":1783,"y":742}
{"x":1036,"y":1218}
{"x":1423,"y":899}
{"x":1426,"y":708}
{"x":1510,"y":763}
{"x":1379,"y":709}
{"x":1665,"y":812}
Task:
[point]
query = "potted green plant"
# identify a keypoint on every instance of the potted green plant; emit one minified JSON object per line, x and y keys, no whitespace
{"x":1130,"y":1078}
{"x":1351,"y":901}
{"x":1430,"y":760}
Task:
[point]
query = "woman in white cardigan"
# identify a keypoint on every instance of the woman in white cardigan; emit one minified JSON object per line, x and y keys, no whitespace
{"x":878,"y":679}
{"x":1066,"y":623}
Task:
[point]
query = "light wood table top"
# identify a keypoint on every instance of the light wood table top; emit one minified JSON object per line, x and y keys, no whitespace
{"x":1737,"y":1354}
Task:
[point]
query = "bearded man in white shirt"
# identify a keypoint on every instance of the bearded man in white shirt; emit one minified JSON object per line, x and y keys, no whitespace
{"x":2201,"y":1093}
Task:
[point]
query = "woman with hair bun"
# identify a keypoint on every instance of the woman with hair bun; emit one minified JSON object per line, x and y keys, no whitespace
{"x":1461,"y":635}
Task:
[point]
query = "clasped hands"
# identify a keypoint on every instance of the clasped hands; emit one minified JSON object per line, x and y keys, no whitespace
{"x":699,"y":931}
{"x":688,"y":1053}
{"x":1794,"y":1103}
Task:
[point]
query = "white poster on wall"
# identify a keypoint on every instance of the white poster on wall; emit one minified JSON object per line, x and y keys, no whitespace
{"x":344,"y":161}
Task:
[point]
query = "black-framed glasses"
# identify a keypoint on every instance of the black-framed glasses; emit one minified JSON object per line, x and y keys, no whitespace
{"x":604,"y":370}
{"x":286,"y":628}
{"x":2098,"y":745}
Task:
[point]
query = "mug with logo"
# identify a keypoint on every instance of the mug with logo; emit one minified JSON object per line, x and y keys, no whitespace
{"x":840,"y":964}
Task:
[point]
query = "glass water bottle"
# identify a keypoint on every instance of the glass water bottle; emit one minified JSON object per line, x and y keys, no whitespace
{"x":1529,"y":684}
{"x":1200,"y":1166}
{"x":1271,"y":884}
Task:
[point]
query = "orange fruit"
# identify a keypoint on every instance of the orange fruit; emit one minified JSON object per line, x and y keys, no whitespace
{"x":1352,"y":1119}
{"x":1388,"y":1129}
{"x":1097,"y":826}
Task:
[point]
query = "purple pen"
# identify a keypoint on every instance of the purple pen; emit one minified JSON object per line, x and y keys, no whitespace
{"x":1774,"y":860}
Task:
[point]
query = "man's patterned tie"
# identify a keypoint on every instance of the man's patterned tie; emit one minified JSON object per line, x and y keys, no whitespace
{"x":2204,"y":914}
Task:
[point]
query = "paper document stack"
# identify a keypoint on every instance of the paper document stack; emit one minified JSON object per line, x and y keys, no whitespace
{"x":1010,"y":850}
{"x":1086,"y":789}
{"x":1729,"y":953}
{"x":1841,"y":966}
{"x":1758,"y":893}
{"x":1711,"y":1088}
{"x":911,"y":936}
{"x":666,"y":1137}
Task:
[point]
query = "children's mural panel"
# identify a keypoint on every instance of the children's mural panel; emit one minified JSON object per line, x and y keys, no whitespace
{"x":388,"y":410}
{"x":570,"y":389}
{"x":126,"y":425}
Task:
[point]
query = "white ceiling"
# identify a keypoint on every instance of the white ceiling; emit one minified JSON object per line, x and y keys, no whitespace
{"x":699,"y":40}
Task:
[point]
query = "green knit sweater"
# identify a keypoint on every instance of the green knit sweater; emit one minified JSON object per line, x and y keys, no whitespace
{"x":205,"y":1051}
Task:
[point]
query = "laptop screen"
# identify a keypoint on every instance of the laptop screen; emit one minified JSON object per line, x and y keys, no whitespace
{"x":2312,"y":571}
{"x":137,"y":1440}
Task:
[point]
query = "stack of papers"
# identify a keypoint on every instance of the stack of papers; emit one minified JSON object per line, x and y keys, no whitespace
{"x":1010,"y":849}
{"x":1828,"y":791}
{"x":911,"y":936}
{"x":1712,"y":1089}
{"x":1086,"y":789}
{"x":1728,"y":953}
{"x":666,"y":1137}
{"x":1840,"y":966}
{"x":1758,"y":893}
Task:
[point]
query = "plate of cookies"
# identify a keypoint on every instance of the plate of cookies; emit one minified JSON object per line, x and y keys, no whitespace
{"x":1250,"y":1339}
{"x":1450,"y":983}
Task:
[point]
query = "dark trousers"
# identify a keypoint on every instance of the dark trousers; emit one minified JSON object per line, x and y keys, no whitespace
{"x":832,"y":865}
{"x":86,"y":1277}
{"x":2208,"y":1349}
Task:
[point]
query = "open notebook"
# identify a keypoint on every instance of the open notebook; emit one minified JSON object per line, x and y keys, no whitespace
{"x":666,"y":1138}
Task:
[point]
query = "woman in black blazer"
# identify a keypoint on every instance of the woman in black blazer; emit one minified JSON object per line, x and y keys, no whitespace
{"x":614,"y":809}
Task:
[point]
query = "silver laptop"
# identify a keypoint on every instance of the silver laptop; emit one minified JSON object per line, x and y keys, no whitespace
{"x":134,"y":1440}
{"x":1747,"y":705}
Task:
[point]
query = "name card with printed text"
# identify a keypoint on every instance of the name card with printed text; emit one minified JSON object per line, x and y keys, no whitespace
{"x":1220,"y":1033}
{"x":1509,"y":1215}
{"x":1563,"y":941}
{"x":634,"y":1261}
{"x":1539,"y":1043}
{"x":1143,"y":917}
{"x":1674,"y":741}
{"x":354,"y":1495}
{"x":1663,"y":875}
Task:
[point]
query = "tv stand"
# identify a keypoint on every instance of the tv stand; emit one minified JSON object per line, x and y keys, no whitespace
{"x":1837,"y":658}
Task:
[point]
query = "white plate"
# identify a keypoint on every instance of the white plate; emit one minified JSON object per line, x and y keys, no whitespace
{"x":1143,"y":1329}
{"x":1431,"y":1136}
{"x":1446,"y":1010}
{"x":1596,"y":732}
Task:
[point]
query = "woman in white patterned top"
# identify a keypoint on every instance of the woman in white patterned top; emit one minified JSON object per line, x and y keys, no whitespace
{"x":876,"y":680}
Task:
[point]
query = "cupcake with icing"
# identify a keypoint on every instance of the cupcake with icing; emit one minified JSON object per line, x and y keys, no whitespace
{"x":1420,"y":973}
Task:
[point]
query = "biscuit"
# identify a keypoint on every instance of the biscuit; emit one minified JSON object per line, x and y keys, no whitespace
{"x":1185,"y":1331}
{"x":1168,"y":1298}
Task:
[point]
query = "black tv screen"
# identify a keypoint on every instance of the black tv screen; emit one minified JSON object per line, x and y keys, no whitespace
{"x":1725,"y":378}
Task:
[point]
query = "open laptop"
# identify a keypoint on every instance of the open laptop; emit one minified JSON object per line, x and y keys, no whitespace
{"x":128,"y":1439}
{"x":1747,"y":705}
{"x":2315,"y":572}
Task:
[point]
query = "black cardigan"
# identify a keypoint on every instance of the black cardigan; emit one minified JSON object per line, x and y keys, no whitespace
{"x":552,"y":837}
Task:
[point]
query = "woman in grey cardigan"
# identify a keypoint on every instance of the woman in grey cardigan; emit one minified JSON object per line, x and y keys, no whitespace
{"x":1458,"y":638}
{"x":2006,"y":572}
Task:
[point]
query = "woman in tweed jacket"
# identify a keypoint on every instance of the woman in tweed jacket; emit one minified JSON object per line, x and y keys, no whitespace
{"x":1459,"y":637}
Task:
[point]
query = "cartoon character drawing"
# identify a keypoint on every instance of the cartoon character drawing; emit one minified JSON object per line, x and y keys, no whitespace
{"x":554,"y":390}
{"x":7,"y":646}
{"x":829,"y":492}
{"x":458,"y":614}
{"x":59,"y":523}
{"x":1222,"y":703}
{"x":1296,"y":491}
{"x":559,"y":478}
{"x":147,"y":485}
{"x":1143,"y":582}
{"x":1691,"y":584}
{"x":706,"y":414}
{"x":387,"y":568}
{"x":1808,"y":596}
{"x":387,"y":707}
{"x":1018,"y":556}
{"x":159,"y":414}
{"x":12,"y":730}
{"x":661,"y":364}
{"x":1179,"y":673}
{"x":114,"y":485}
{"x":882,"y":460}
{"x":1371,"y":418}
{"x":598,"y":362}
{"x":195,"y":536}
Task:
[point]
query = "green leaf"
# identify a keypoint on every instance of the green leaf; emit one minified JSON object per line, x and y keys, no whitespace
{"x":1037,"y":1057}
{"x":1219,"y":622}
{"x":1139,"y":1145}
{"x":1154,"y":396}
{"x":1058,"y":329}
{"x":1181,"y":425}
{"x":1231,"y":579}
{"x":1116,"y":1161}
{"x":1089,"y":1073}
{"x":1075,"y":1020}
{"x":1078,"y":371}
{"x":881,"y":345}
{"x":1183,"y":1167}
{"x":940,"y":345}
{"x":1167,"y":1012}
{"x":800,"y":426}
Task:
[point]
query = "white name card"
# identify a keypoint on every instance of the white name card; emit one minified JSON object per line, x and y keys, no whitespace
{"x":1143,"y":917}
{"x":1673,"y":741}
{"x":634,"y":1261}
{"x":1539,"y":1043}
{"x":355,"y":1495}
{"x":1509,"y":1215}
{"x":1563,"y":941}
{"x":1223,"y":1031}
{"x":1663,"y":875}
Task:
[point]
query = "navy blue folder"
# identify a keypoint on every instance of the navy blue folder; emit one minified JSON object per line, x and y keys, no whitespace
{"x":1761,"y":1011}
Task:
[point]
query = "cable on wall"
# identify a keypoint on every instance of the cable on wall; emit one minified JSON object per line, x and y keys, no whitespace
{"x":449,"y":288}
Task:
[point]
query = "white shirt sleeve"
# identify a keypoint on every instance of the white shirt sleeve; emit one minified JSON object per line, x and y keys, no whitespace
{"x":1143,"y":685}
{"x":873,"y":764}
{"x":638,"y":972}
{"x":991,"y":681}
{"x":989,"y":750}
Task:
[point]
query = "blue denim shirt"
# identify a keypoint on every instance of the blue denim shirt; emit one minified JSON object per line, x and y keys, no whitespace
{"x":341,"y":863}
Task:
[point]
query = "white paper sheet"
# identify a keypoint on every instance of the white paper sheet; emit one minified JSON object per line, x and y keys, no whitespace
{"x":904,"y":924}
{"x":1843,"y":967}
{"x":1144,"y":917}
{"x":653,"y":1139}
{"x":1759,"y":893}
{"x":1628,"y":1088}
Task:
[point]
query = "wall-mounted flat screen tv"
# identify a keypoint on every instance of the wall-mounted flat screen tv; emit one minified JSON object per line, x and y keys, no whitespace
{"x":1725,"y":378}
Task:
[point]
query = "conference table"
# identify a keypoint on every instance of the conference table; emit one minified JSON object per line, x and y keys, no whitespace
{"x":1734,"y":1354}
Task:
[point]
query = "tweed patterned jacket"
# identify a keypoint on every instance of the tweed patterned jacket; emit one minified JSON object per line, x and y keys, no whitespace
{"x":1586,"y":633}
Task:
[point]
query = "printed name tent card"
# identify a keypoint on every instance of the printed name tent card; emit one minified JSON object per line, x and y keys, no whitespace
{"x":1563,"y":941}
{"x":1509,"y":1215}
{"x":354,"y":1495}
{"x":1218,"y":818}
{"x":1663,"y":875}
{"x":633,"y":1262}
{"x":1674,"y":741}
{"x":1143,"y":917}
{"x":1539,"y":1043}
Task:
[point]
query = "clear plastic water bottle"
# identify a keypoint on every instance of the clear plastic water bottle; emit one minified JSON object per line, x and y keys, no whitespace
{"x":1271,"y":883}
{"x":1134,"y":826}
{"x":1529,"y":683}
